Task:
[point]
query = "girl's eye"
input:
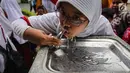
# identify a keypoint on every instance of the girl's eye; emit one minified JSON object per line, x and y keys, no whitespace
{"x":75,"y":18}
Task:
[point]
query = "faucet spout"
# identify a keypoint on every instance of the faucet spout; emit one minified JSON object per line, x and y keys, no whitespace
{"x":59,"y":52}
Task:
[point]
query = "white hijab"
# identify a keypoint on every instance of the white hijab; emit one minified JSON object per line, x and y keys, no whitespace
{"x":12,"y":9}
{"x":13,"y":12}
{"x":92,"y":10}
{"x":5,"y":23}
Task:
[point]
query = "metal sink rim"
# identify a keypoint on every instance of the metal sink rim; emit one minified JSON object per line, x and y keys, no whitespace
{"x":89,"y":39}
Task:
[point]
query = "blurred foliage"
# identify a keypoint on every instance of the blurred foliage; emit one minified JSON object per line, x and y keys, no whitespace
{"x":24,"y":1}
{"x":28,"y":13}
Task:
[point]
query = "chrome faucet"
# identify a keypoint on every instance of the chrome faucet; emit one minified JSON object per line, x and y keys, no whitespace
{"x":59,"y":52}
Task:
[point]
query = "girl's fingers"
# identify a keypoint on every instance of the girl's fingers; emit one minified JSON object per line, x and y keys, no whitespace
{"x":51,"y":40}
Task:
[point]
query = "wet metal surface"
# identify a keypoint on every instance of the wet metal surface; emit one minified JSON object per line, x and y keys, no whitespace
{"x":85,"y":56}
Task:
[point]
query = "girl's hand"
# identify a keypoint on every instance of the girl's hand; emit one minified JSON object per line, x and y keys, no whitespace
{"x":50,"y":40}
{"x":40,"y":38}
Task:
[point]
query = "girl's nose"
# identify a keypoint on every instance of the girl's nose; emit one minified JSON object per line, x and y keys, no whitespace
{"x":66,"y":27}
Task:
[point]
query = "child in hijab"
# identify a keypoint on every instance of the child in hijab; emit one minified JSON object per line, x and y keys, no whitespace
{"x":80,"y":18}
{"x":5,"y":66}
{"x":13,"y":11}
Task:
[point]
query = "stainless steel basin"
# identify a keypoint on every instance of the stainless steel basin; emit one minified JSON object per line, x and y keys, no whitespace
{"x":98,"y":54}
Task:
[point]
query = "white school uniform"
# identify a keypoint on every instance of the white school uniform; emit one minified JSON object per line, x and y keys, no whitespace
{"x":3,"y":42}
{"x":13,"y":12}
{"x":50,"y":23}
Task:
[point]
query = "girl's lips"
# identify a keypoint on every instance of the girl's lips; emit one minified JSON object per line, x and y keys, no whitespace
{"x":66,"y":32}
{"x":65,"y":29}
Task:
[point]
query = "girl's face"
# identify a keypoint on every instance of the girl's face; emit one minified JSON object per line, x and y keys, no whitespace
{"x":40,"y":12}
{"x":115,"y":5}
{"x":72,"y":20}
